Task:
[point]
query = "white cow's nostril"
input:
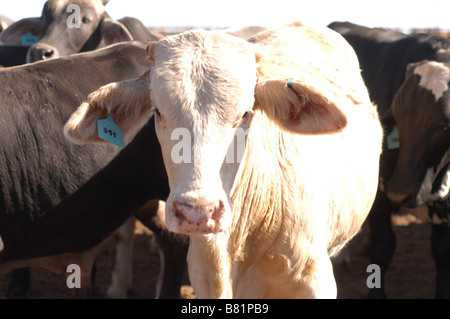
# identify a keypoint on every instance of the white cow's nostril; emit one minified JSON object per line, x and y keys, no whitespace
{"x":201,"y":219}
{"x":217,"y":210}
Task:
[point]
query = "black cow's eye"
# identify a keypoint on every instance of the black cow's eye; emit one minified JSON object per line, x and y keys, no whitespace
{"x":445,"y":126}
{"x":86,"y":20}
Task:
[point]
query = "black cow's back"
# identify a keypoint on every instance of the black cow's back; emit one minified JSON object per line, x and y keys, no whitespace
{"x":12,"y":55}
{"x":38,"y":166}
{"x":384,"y":55}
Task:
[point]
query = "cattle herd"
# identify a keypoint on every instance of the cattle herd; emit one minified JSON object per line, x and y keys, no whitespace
{"x":254,"y":156}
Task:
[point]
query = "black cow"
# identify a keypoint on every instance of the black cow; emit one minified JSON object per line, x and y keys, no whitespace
{"x":71,"y":27}
{"x":119,"y":190}
{"x":38,"y":167}
{"x":12,"y":55}
{"x":408,"y":78}
{"x":124,"y":187}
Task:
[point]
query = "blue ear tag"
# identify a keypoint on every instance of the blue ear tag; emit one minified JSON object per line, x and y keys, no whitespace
{"x":29,"y":39}
{"x":291,"y":83}
{"x":393,"y":141}
{"x":109,"y":131}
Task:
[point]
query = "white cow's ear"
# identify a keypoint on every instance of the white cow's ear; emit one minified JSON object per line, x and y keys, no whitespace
{"x":114,"y":32}
{"x":128,"y":102}
{"x":298,"y":108}
{"x":13,"y":34}
{"x":82,"y":125}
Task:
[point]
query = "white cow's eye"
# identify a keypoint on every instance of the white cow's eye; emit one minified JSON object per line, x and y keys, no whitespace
{"x":244,"y":117}
{"x":248,"y":114}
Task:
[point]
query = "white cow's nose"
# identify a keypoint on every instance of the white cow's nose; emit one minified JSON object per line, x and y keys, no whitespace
{"x":204,"y":219}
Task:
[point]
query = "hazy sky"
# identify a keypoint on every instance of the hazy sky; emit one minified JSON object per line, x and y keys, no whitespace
{"x":386,"y":13}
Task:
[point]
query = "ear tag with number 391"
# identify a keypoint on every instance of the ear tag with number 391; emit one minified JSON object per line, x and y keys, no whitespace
{"x":109,"y":131}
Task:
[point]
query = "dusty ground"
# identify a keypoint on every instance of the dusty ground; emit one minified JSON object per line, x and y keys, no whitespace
{"x":411,"y":274}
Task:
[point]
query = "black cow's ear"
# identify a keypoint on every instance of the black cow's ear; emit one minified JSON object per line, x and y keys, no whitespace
{"x":386,"y":115}
{"x":13,"y":34}
{"x":410,"y":66}
{"x":114,"y":32}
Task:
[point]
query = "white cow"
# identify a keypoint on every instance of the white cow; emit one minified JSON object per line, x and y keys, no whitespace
{"x":264,"y":225}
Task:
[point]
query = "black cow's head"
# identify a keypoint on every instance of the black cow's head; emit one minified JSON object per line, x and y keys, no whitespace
{"x":421,"y":109}
{"x":67,"y":27}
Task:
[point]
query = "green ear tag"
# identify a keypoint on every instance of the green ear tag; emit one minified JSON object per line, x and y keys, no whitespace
{"x":29,"y":39}
{"x":109,"y":131}
{"x":393,"y":141}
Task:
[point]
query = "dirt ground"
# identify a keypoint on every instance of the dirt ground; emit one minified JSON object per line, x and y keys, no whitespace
{"x":410,"y":276}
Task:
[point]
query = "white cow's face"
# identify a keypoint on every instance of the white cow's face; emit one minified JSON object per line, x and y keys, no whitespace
{"x":202,"y":89}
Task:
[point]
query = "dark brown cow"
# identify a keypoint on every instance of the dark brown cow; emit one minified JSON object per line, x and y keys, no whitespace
{"x":68,"y":27}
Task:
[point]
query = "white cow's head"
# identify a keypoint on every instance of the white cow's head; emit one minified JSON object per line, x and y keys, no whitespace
{"x":203,"y":87}
{"x":202,"y":84}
